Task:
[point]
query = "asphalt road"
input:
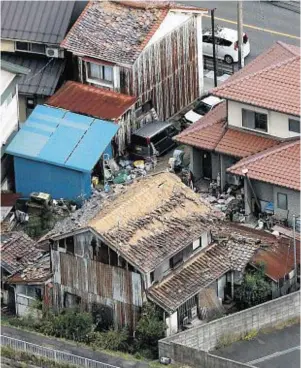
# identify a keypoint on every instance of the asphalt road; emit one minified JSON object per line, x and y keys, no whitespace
{"x":279,"y":349}
{"x":264,"y":22}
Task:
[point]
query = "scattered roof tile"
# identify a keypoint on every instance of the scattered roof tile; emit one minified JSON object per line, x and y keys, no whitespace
{"x":117,"y":31}
{"x":233,"y":247}
{"x":279,"y":165}
{"x":36,"y":272}
{"x":17,"y":250}
{"x":276,"y":87}
{"x":98,"y":102}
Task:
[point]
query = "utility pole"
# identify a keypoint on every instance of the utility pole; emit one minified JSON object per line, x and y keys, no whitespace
{"x":295,"y":250}
{"x":241,"y":60}
{"x":213,"y":44}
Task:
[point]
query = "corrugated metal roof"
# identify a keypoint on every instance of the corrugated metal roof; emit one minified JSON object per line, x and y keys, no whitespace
{"x":89,"y":100}
{"x":43,"y":76}
{"x":37,"y":21}
{"x":62,"y":138}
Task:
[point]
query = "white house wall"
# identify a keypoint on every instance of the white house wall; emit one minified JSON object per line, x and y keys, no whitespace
{"x":172,"y":324}
{"x":9,"y":119}
{"x":278,"y":125}
{"x":171,"y":21}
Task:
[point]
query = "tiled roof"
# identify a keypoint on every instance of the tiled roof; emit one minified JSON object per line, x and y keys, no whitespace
{"x":117,"y":31}
{"x":17,"y":250}
{"x":37,"y":21}
{"x":98,"y":102}
{"x":154,"y":218}
{"x":278,"y":259}
{"x":35,"y":272}
{"x":212,"y":133}
{"x":233,"y":247}
{"x":206,"y":132}
{"x":242,"y":144}
{"x":279,"y":165}
{"x":275,"y":88}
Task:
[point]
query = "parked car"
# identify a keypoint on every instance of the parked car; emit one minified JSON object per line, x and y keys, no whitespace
{"x":152,"y":139}
{"x":201,"y":109}
{"x":226,"y":41}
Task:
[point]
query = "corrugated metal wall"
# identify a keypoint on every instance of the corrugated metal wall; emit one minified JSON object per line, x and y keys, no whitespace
{"x":95,"y":282}
{"x":167,"y":71}
{"x":33,"y":176}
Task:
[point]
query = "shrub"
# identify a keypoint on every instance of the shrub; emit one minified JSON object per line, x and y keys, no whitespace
{"x":150,"y":329}
{"x":112,"y":340}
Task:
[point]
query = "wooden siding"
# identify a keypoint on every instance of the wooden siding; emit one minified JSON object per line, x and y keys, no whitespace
{"x":167,"y":71}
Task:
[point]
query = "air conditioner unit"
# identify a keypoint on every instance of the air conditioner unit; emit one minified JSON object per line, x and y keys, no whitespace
{"x":52,"y":52}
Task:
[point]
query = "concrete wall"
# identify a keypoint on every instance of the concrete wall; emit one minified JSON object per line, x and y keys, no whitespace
{"x":198,"y":358}
{"x":277,"y":123}
{"x":196,"y":163}
{"x":207,"y":336}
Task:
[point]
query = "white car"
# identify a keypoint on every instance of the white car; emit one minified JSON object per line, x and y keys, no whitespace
{"x":201,"y":109}
{"x":226,"y":41}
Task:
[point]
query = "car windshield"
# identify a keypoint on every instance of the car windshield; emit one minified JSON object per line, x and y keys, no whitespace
{"x":202,"y":108}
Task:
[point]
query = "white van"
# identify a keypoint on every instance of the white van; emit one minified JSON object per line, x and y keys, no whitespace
{"x":226,"y":41}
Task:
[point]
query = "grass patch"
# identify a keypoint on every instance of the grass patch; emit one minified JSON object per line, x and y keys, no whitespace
{"x":280,"y":325}
{"x":251,"y":335}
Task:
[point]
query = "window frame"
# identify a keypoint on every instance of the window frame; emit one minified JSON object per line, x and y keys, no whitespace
{"x":101,"y":82}
{"x":286,"y":201}
{"x":29,"y":47}
{"x":291,"y":120}
{"x":256,"y":117}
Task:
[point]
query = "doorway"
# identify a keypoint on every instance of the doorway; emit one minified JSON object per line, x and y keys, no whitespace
{"x":207,"y":166}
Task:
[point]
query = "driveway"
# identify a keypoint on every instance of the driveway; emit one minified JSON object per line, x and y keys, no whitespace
{"x":279,"y":349}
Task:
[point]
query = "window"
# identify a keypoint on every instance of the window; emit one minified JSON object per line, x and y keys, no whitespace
{"x":176,"y":260}
{"x":30,"y":103}
{"x":254,"y":120}
{"x":36,"y":48}
{"x":62,"y":243}
{"x":70,"y":244}
{"x":225,"y":43}
{"x":207,"y":39}
{"x":282,"y":201}
{"x":197,"y":244}
{"x":100,"y":72}
{"x":152,"y":277}
{"x":294,"y":125}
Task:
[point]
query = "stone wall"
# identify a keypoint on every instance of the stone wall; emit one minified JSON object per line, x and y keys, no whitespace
{"x":206,"y":337}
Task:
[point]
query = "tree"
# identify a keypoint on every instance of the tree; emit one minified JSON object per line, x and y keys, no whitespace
{"x":254,"y":289}
{"x":150,"y":329}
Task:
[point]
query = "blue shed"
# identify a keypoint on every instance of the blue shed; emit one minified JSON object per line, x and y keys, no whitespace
{"x":56,"y":150}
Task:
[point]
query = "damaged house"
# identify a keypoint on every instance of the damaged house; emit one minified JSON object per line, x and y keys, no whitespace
{"x":152,"y":51}
{"x":155,"y":240}
{"x":25,"y":271}
{"x":252,"y":138}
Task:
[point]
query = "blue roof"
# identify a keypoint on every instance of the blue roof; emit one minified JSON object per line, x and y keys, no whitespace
{"x":62,"y":138}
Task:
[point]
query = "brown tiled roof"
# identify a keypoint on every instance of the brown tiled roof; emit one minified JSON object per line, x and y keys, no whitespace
{"x":278,"y":259}
{"x":117,"y":31}
{"x":233,"y":247}
{"x":212,"y":133}
{"x":98,"y":102}
{"x":17,"y":250}
{"x":35,"y":272}
{"x":206,"y":132}
{"x":153,"y":219}
{"x":279,"y":165}
{"x":242,"y":144}
{"x":275,"y":88}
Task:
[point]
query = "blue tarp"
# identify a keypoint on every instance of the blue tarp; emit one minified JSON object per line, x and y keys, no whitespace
{"x":62,"y":138}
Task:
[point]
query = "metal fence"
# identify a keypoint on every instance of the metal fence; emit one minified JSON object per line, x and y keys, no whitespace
{"x":221,"y":66}
{"x":55,"y":355}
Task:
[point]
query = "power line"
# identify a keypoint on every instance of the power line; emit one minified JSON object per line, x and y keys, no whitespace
{"x":40,"y":71}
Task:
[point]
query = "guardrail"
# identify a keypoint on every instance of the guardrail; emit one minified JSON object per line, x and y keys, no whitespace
{"x":51,"y":354}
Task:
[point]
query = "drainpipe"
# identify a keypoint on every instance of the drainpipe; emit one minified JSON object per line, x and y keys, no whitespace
{"x":295,"y":250}
{"x":245,"y":172}
{"x":232,"y":284}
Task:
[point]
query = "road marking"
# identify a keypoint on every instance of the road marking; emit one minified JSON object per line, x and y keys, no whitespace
{"x":271,"y":356}
{"x":256,"y":28}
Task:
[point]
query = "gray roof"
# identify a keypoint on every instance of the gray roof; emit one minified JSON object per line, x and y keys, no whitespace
{"x":13,"y":68}
{"x":152,"y":128}
{"x":36,"y":21}
{"x":44,"y":73}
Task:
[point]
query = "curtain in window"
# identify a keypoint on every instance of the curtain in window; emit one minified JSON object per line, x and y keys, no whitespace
{"x":248,"y":119}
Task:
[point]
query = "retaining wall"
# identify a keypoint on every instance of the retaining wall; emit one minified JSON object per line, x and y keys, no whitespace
{"x":206,"y":337}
